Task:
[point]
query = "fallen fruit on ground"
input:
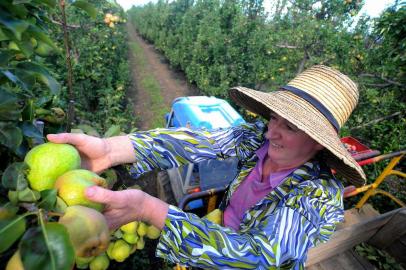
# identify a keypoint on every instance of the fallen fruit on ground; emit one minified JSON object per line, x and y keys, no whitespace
{"x":71,"y":187}
{"x":48,"y":161}
{"x":88,"y":230}
{"x":15,"y":262}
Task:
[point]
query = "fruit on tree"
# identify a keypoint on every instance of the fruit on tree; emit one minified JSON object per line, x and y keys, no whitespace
{"x":101,"y":262}
{"x":88,"y":230}
{"x":83,"y":262}
{"x":121,"y":250}
{"x":153,"y":232}
{"x":15,"y":262}
{"x":110,"y":249}
{"x":142,"y":229}
{"x":43,"y":49}
{"x":140,"y":243}
{"x":48,"y":161}
{"x":71,"y":187}
{"x":131,"y":238}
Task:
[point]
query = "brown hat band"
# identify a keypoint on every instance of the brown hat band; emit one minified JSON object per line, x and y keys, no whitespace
{"x":319,"y":106}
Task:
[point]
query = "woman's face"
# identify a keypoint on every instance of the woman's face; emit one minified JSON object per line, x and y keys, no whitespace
{"x":289,"y":147}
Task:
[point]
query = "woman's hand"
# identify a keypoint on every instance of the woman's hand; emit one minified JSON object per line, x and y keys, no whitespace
{"x":122,"y":207}
{"x":98,"y":154}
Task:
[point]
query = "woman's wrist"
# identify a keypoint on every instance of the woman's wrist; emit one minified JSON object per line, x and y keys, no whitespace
{"x":120,"y":150}
{"x":154,"y":211}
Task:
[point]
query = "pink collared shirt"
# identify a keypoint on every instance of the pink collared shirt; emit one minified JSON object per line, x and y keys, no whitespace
{"x":252,"y":190}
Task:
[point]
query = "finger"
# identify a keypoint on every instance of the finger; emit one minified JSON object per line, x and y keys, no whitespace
{"x":75,"y":139}
{"x":98,"y":194}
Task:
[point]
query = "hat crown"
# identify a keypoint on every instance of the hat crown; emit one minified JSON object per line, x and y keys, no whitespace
{"x":336,"y":91}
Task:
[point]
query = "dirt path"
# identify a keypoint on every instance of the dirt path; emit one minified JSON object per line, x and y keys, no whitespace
{"x":172,"y":84}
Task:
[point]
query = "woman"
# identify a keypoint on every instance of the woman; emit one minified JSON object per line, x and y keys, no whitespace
{"x":284,"y":199}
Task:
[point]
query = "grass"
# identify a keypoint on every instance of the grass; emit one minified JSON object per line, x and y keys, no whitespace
{"x":151,"y":86}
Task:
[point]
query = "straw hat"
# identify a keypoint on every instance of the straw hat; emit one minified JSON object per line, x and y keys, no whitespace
{"x":318,"y":101}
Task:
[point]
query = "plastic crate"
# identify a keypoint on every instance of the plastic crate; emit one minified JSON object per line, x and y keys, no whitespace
{"x":358,"y":150}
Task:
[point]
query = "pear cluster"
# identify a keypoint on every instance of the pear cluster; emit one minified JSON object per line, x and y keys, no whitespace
{"x":57,"y":166}
{"x":111,"y":19}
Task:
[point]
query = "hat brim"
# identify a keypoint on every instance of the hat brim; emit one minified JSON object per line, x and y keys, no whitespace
{"x":308,"y":119}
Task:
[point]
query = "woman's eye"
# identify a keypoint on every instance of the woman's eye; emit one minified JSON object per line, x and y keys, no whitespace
{"x":292,"y":128}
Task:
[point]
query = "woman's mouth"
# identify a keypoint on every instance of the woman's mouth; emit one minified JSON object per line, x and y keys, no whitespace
{"x":275,"y":145}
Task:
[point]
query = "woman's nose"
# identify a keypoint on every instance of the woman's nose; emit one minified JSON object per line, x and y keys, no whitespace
{"x":273,"y":132}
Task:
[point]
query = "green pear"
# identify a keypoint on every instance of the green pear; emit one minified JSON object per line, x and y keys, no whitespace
{"x":43,"y":49}
{"x":101,"y":262}
{"x":71,"y":187}
{"x":121,"y":250}
{"x":142,"y":229}
{"x":130,"y":238}
{"x":130,"y":228}
{"x":153,"y":232}
{"x":15,"y":262}
{"x":88,"y":230}
{"x":48,"y":161}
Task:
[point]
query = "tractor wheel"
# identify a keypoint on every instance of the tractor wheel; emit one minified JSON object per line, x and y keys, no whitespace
{"x":164,"y":188}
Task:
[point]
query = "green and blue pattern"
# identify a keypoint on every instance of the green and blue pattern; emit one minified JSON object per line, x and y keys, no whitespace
{"x":274,"y":234}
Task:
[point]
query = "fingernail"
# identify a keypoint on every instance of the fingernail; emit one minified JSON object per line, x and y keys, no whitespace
{"x":91,"y":191}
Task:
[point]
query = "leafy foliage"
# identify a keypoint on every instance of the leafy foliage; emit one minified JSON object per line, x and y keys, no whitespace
{"x":379,"y":258}
{"x":33,"y":101}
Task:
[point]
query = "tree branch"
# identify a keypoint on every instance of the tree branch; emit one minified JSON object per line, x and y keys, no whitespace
{"x":61,"y":24}
{"x":376,"y":121}
{"x":389,"y":81}
{"x":286,"y":46}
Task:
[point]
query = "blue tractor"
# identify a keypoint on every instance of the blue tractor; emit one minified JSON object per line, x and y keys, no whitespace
{"x":198,"y":112}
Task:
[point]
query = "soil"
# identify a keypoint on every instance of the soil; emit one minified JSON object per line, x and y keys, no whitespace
{"x":172,"y":83}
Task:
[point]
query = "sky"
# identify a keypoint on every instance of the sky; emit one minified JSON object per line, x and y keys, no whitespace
{"x":372,"y":7}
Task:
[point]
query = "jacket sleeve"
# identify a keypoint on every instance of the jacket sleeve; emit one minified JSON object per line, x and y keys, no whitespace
{"x":279,"y":239}
{"x":168,"y":148}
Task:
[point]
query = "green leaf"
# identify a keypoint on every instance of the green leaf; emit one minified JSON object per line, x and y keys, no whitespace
{"x":5,"y":56}
{"x":47,"y":249}
{"x":10,"y":231}
{"x":10,"y":135}
{"x":31,"y":131}
{"x":40,"y":35}
{"x":14,"y":176}
{"x":3,"y":36}
{"x":14,"y":79}
{"x":28,"y":195}
{"x":8,"y":210}
{"x":40,"y":73}
{"x":14,"y":25}
{"x":50,"y":3}
{"x":10,"y":109}
{"x":114,"y":130}
{"x":87,"y":7}
{"x":48,"y":199}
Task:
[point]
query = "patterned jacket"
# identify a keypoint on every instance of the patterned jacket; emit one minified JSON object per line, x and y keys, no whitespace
{"x":274,"y":234}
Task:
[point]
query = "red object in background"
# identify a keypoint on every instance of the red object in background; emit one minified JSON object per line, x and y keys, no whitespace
{"x":358,"y":150}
